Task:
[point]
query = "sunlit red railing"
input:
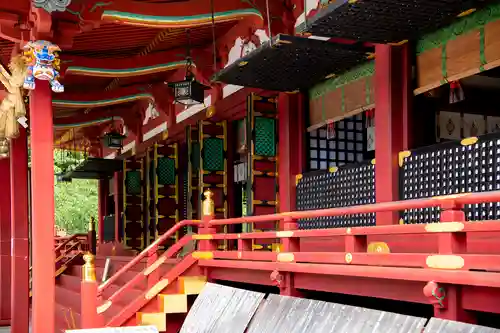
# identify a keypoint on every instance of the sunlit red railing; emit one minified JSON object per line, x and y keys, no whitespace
{"x":353,"y":261}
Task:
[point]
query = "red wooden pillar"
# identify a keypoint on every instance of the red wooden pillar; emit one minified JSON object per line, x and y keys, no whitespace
{"x":291,"y":131}
{"x":20,"y":233}
{"x":102,"y":193}
{"x":117,"y":184}
{"x":453,"y":243}
{"x":5,"y":234}
{"x":42,"y":203}
{"x":389,"y":132}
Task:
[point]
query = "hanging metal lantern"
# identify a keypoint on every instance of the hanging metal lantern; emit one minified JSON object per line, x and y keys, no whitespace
{"x":4,"y":148}
{"x":188,"y":92}
{"x":114,"y":140}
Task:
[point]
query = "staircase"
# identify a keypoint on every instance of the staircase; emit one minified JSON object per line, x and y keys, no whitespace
{"x":165,"y":309}
{"x":151,"y":288}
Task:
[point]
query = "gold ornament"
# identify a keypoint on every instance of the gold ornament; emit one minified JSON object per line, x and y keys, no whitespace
{"x":12,"y":106}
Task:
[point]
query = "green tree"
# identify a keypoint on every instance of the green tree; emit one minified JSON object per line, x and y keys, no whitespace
{"x":75,"y":201}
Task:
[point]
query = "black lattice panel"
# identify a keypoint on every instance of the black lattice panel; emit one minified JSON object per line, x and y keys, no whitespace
{"x":337,"y":187}
{"x":383,"y":21}
{"x":347,"y":146}
{"x":452,"y":168}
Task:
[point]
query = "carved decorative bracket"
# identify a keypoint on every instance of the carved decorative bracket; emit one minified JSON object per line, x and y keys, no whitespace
{"x":52,"y":5}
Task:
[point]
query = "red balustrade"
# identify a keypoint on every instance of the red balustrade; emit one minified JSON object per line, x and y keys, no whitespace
{"x":356,"y":259}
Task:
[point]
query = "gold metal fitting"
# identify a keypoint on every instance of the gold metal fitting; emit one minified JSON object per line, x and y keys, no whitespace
{"x":208,"y":203}
{"x":210,"y":111}
{"x":92,"y":224}
{"x":88,"y":269}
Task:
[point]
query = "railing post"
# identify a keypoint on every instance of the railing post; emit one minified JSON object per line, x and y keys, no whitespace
{"x":290,"y":244}
{"x":92,"y":237}
{"x":89,"y":302}
{"x":208,"y":214}
{"x":450,"y":246}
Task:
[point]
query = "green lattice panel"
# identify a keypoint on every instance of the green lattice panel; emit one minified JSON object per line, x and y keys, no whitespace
{"x":195,"y":158}
{"x":213,"y":154}
{"x":133,"y":182}
{"x":166,"y":171}
{"x":265,"y":136}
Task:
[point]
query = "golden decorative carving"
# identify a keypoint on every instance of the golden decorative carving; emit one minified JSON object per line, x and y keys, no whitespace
{"x":240,"y":255}
{"x":88,"y":269}
{"x":441,"y":261}
{"x":348,"y":258}
{"x":445,"y":227}
{"x":208,"y":204}
{"x":348,"y":231}
{"x":285,"y":257}
{"x":156,"y":289}
{"x":104,"y":306}
{"x":210,"y":111}
{"x":378,"y":247}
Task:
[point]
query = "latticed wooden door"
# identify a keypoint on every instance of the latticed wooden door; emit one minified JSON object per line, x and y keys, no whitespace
{"x":165,"y":179}
{"x":262,"y":186}
{"x":193,"y":171}
{"x":133,"y":204}
{"x":213,"y":166}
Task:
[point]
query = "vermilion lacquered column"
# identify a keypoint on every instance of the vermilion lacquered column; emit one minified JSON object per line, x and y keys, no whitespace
{"x":102,"y":193}
{"x":5,"y":233}
{"x":291,"y":131}
{"x":117,"y":183}
{"x":388,"y":127}
{"x":20,"y":233}
{"x":42,"y":203}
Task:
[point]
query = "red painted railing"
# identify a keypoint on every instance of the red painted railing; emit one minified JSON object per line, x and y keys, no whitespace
{"x":151,"y":250}
{"x":354,"y":260}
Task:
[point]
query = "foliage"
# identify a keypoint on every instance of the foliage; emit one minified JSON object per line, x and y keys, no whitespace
{"x":75,"y":201}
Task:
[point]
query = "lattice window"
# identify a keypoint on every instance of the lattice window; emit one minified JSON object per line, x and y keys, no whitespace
{"x":133,"y":182}
{"x":451,"y":168}
{"x":348,"y":186}
{"x":265,"y":136}
{"x":346,"y":147}
{"x":213,"y":154}
{"x":166,"y":171}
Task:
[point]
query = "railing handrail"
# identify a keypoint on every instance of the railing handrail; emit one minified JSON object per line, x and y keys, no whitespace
{"x":69,"y":239}
{"x":459,"y":199}
{"x":144,"y":273}
{"x":144,"y":253}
